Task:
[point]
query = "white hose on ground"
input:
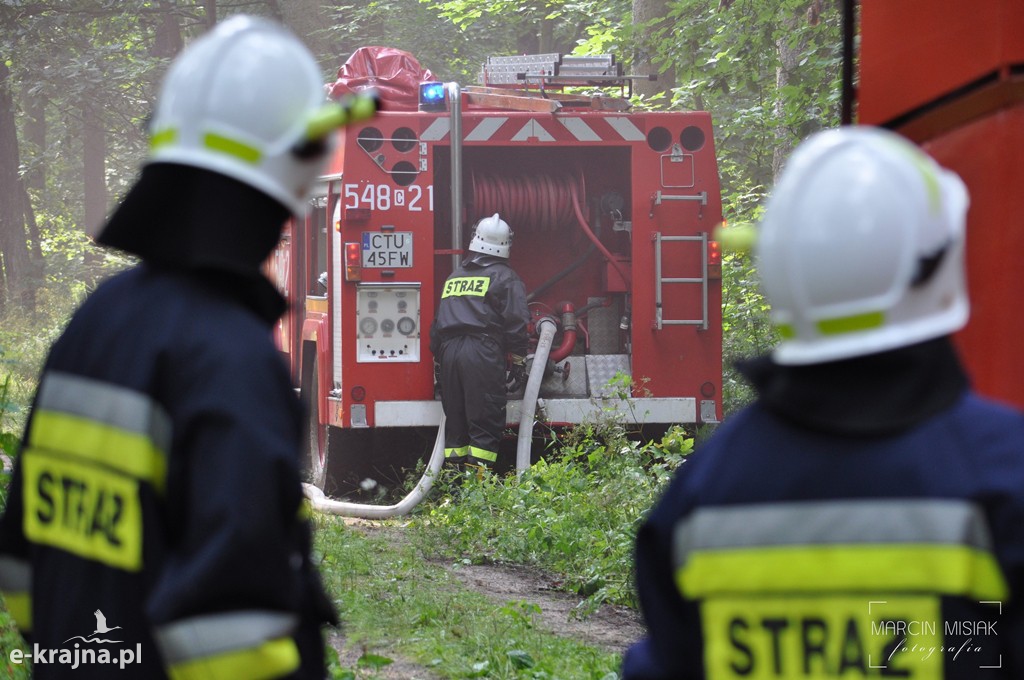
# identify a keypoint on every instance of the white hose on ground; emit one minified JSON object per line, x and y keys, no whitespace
{"x":547,"y":329}
{"x":321,"y":503}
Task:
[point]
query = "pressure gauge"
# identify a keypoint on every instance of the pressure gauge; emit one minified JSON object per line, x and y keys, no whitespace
{"x":406,"y":326}
{"x":368,"y":326}
{"x":387,"y":325}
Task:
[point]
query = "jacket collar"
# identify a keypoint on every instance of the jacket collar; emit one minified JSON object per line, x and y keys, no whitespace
{"x":191,"y":218}
{"x":872,"y":395}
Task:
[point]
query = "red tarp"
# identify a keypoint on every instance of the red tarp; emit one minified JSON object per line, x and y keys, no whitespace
{"x":394,"y":73}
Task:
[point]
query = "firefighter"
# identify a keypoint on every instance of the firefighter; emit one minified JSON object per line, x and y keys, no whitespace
{"x":156,"y":510}
{"x":479,"y":331}
{"x":865,"y":515}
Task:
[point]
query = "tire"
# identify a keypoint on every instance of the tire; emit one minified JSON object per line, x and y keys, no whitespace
{"x":315,"y":445}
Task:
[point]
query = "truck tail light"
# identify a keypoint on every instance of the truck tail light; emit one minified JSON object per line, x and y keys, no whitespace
{"x":714,"y":260}
{"x":714,"y":253}
{"x":353,"y":262}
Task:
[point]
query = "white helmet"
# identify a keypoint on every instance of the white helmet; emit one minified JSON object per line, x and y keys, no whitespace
{"x":861,"y":248}
{"x":238,"y":101}
{"x":492,"y":237}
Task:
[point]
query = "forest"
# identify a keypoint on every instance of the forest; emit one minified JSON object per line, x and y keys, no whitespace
{"x":78,"y":78}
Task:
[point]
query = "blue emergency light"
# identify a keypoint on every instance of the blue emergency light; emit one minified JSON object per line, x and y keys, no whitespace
{"x":431,"y":96}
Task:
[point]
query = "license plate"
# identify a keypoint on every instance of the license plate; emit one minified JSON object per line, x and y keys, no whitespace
{"x":387,"y":249}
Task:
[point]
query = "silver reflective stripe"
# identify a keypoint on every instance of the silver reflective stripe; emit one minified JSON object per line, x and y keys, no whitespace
{"x":15,"y":575}
{"x":213,"y":634}
{"x":856,"y":522}
{"x":102,"y":402}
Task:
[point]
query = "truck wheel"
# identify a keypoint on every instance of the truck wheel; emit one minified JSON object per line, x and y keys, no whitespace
{"x":314,"y":435}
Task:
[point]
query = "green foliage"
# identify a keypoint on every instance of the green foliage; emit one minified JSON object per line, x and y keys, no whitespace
{"x":746,"y":328}
{"x":25,"y":339}
{"x":10,"y":639}
{"x":9,"y":442}
{"x":574,"y":513}
{"x":446,"y":48}
{"x":535,"y":26}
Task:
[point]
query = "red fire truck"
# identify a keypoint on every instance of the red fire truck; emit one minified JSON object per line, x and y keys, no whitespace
{"x":955,"y":84}
{"x":612,"y":212}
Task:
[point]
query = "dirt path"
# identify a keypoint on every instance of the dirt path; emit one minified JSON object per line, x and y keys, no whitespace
{"x":611,"y":628}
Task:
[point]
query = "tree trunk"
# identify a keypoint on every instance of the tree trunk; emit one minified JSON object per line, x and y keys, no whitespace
{"x":15,"y":266}
{"x":167,"y":41}
{"x":275,"y":10}
{"x":789,"y":61}
{"x":650,"y":13}
{"x":35,"y":178}
{"x":547,"y":36}
{"x":211,"y":12}
{"x":94,"y":152}
{"x":35,"y":131}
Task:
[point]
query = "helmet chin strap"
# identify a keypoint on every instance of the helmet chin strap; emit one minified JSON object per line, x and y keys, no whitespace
{"x":928,"y":264}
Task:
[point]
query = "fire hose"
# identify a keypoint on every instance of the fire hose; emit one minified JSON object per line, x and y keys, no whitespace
{"x":546,"y":327}
{"x":543,"y":200}
{"x":321,"y":503}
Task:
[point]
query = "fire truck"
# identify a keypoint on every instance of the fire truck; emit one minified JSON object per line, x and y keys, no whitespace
{"x":612,"y":212}
{"x":955,"y":85}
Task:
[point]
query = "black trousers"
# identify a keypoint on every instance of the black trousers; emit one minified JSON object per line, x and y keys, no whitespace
{"x":473,"y":397}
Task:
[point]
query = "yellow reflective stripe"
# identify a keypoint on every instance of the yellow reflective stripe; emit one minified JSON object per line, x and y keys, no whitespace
{"x":928,"y":174}
{"x":130,"y":453}
{"x":483,"y":454}
{"x":943,"y":569}
{"x":82,"y":509}
{"x":19,"y":606}
{"x":823,"y":637}
{"x":466,"y":285}
{"x":838,"y":326}
{"x":851,"y":324}
{"x":232,"y":147}
{"x":456,"y":452}
{"x":163,"y":137}
{"x":272,"y":659}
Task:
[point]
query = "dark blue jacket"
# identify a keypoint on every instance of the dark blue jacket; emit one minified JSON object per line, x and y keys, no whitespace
{"x":483,"y":297}
{"x":785,"y":548}
{"x":158,"y":486}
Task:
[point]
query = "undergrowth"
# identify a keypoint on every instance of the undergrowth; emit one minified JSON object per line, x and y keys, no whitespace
{"x":575,"y":513}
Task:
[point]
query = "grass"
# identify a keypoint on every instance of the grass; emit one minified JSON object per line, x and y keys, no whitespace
{"x":393,"y":600}
{"x":574,"y":515}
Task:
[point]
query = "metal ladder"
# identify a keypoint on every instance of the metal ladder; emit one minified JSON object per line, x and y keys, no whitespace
{"x":660,"y":281}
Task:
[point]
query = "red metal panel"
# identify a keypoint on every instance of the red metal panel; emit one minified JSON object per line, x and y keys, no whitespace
{"x":986,"y":154}
{"x":915,"y":51}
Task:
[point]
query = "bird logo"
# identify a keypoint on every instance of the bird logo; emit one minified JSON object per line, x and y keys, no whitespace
{"x":101,"y":629}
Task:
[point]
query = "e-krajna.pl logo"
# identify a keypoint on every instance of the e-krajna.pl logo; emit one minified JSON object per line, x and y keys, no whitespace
{"x":88,"y":651}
